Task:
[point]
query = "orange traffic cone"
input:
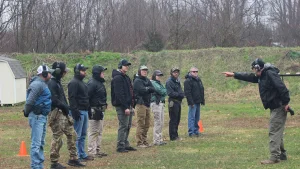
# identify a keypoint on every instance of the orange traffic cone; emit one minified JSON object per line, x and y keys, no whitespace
{"x":23,"y":151}
{"x":201,"y":129}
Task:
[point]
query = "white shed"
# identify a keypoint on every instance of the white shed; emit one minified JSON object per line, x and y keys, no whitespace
{"x":12,"y":81}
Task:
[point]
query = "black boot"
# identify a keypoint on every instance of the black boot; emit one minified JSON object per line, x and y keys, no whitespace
{"x":75,"y":163}
{"x":57,"y":166}
{"x":283,"y":155}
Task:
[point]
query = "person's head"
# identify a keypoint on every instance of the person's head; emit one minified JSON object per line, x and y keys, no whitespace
{"x":60,"y":69}
{"x":194,"y":72}
{"x":44,"y":72}
{"x":124,"y":65}
{"x":257,"y":66}
{"x":143,"y":71}
{"x":98,"y":71}
{"x":157,"y":75}
{"x":175,"y":72}
{"x":80,"y":70}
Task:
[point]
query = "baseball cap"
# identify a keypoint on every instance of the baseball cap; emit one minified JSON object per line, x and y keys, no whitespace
{"x":42,"y":68}
{"x":98,"y":69}
{"x":175,"y":69}
{"x":80,"y":67}
{"x":143,"y":67}
{"x":60,"y":65}
{"x":258,"y":62}
{"x":158,"y":73}
{"x":124,"y":62}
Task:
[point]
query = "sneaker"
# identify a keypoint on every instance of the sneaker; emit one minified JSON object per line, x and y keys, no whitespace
{"x":178,"y":139}
{"x":163,"y":143}
{"x":87,"y":158}
{"x":270,"y":161}
{"x":129,"y":148}
{"x":192,"y":135}
{"x":283,"y":155}
{"x":57,"y":166}
{"x":75,"y":163}
{"x":101,"y":154}
{"x":142,"y":146}
{"x":122,"y":150}
{"x":160,"y":143}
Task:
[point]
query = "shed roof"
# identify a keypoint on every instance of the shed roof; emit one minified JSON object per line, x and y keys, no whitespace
{"x":15,"y":66}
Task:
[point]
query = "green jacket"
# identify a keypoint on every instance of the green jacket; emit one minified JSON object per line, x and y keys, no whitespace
{"x":160,"y":90}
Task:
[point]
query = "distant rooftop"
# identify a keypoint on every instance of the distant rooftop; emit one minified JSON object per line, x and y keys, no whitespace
{"x":15,"y":66}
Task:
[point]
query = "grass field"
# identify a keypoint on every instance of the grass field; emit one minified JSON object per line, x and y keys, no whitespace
{"x":235,"y":136}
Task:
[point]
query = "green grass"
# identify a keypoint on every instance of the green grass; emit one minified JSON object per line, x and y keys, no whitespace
{"x":235,"y":136}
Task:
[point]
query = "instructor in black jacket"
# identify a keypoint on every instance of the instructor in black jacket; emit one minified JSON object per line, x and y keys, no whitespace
{"x":274,"y":96}
{"x":79,"y":105}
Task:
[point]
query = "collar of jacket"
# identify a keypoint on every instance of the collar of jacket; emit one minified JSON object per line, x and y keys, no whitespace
{"x":175,"y":80}
{"x":98,"y":78}
{"x":79,"y":77}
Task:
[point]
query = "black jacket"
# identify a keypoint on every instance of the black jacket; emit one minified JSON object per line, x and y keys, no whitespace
{"x":58,"y":96}
{"x":121,"y":90}
{"x":194,"y":90}
{"x":174,"y":89}
{"x":272,"y":90}
{"x":78,"y":94}
{"x":141,"y":90}
{"x":97,"y":92}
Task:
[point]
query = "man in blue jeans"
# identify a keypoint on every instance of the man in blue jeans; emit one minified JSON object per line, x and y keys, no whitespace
{"x":79,"y":105}
{"x":37,"y":107}
{"x":194,"y":92}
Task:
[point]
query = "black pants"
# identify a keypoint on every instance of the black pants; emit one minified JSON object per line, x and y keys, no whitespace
{"x":174,"y":114}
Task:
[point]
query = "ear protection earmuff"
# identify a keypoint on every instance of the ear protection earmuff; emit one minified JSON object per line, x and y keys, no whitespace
{"x":120,"y":64}
{"x":57,"y":69}
{"x":77,"y":71}
{"x":256,"y":65}
{"x":45,"y":72}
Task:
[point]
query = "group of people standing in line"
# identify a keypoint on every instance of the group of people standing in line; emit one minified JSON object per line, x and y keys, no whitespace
{"x":84,"y":114}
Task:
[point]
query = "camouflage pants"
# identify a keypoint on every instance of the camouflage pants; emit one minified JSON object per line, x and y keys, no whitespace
{"x":60,"y":125}
{"x":143,"y":124}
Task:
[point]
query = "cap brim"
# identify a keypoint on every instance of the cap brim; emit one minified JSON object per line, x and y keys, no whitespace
{"x":160,"y":74}
{"x":127,"y":64}
{"x":105,"y":68}
{"x":84,"y":69}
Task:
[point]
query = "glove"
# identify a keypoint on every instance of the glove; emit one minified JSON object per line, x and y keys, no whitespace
{"x":151,"y":89}
{"x":27,"y":110}
{"x":65,"y":110}
{"x":76,"y":115}
{"x":202,"y":103}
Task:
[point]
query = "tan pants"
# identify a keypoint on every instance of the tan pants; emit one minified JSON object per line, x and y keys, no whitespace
{"x":158,"y":111}
{"x":95,"y":136}
{"x":143,"y":124}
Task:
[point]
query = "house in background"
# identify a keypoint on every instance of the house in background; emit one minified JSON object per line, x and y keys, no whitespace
{"x":12,"y":81}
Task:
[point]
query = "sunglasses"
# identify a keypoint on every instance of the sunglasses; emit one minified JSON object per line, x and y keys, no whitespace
{"x":194,"y":71}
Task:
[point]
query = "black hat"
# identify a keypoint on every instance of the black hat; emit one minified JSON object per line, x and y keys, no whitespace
{"x":80,"y":67}
{"x":258,"y":64}
{"x":98,"y":69}
{"x":61,"y":65}
{"x":123,"y":62}
{"x":158,"y":73}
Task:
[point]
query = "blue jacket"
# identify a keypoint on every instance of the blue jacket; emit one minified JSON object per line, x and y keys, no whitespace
{"x":39,"y":96}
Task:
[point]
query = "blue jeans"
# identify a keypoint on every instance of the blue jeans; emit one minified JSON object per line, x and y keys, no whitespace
{"x":38,"y":125}
{"x":81,"y":131}
{"x":193,"y":118}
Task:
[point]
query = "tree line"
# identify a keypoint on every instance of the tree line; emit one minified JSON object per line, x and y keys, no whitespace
{"x":63,"y":26}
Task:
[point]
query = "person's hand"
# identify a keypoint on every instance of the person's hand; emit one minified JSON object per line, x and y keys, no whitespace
{"x":127,"y":112}
{"x":76,"y":115}
{"x":181,"y":95}
{"x":286,"y":108}
{"x":151,"y":89}
{"x":65,"y":110}
{"x":192,"y":106}
{"x":228,"y":74}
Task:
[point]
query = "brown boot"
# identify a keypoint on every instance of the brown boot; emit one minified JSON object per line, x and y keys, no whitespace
{"x":270,"y":161}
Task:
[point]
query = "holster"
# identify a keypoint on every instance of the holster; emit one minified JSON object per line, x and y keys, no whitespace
{"x":96,"y":113}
